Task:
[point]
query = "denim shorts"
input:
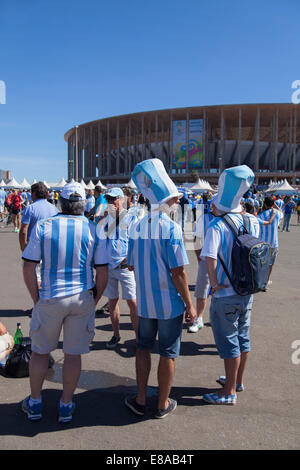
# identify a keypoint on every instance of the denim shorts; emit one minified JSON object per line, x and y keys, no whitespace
{"x":169,"y":335}
{"x":230,"y":321}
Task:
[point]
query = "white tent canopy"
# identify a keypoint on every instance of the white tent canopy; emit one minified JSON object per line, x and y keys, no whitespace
{"x":25,"y":184}
{"x":100,"y":184}
{"x":201,"y":186}
{"x":283,"y":188}
{"x":90,"y":185}
{"x":61,"y":183}
{"x":13,"y":184}
{"x":83,"y":184}
{"x":2,"y":184}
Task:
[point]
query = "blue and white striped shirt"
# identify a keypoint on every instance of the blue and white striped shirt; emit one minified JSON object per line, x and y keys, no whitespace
{"x":69,"y":248}
{"x":117,"y":233}
{"x":269,"y":233}
{"x":155,"y":247}
{"x":219,"y":241}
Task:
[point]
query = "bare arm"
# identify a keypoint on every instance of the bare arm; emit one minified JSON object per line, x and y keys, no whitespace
{"x":211,"y":264}
{"x":23,"y":236}
{"x":30,"y":279}
{"x":181,"y":283}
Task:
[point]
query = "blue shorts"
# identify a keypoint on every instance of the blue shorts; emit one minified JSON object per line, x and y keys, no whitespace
{"x":230,"y":321}
{"x":169,"y":335}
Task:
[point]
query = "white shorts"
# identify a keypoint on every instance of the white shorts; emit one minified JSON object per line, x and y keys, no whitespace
{"x":127,"y":281}
{"x":1,"y":207}
{"x":202,"y":283}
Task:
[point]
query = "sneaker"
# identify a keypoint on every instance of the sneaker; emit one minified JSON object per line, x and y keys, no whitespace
{"x":215,"y":399}
{"x":34,"y":411}
{"x":163,"y":413}
{"x":65,"y":413}
{"x":196,"y":326}
{"x":137,"y":409}
{"x":113,"y":342}
{"x":222,"y":379}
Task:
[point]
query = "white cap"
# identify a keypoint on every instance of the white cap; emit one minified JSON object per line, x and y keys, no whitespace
{"x":73,"y":192}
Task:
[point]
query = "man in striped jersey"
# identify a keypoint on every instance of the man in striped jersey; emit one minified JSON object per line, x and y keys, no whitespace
{"x":69,"y":248}
{"x":157,"y":255}
{"x":269,"y":220}
{"x":229,"y":312}
{"x":116,"y":225}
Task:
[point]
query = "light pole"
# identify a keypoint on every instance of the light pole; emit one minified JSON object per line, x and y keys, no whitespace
{"x":220,"y":164}
{"x":76,"y":153}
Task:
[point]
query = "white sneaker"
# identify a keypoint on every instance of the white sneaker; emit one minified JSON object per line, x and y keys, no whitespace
{"x":196,"y":326}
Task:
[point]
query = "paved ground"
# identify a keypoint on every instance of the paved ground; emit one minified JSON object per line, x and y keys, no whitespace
{"x":265,"y":417}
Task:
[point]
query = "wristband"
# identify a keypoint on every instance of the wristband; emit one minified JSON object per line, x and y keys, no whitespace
{"x":213,"y":287}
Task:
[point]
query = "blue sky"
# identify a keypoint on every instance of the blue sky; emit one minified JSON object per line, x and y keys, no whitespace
{"x":67,"y":62}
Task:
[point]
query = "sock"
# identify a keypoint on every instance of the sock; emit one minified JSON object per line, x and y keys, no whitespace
{"x":66,"y":404}
{"x":35,"y":401}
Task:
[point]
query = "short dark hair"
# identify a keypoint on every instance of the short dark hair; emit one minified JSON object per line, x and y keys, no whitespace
{"x":269,"y":201}
{"x":99,"y":190}
{"x":72,"y":207}
{"x":40,"y":190}
{"x":249,"y":207}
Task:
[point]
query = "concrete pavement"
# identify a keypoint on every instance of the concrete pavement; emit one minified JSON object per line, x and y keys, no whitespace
{"x":265,"y":417}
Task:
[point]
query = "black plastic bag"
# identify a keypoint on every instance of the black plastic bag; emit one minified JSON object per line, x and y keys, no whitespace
{"x":17,"y":363}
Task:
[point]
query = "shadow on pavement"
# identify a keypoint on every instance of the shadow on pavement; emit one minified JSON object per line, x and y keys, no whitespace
{"x":97,"y":407}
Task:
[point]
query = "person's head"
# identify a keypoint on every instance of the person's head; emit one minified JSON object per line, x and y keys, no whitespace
{"x":268,"y":202}
{"x":205,"y":197}
{"x":114,"y":199}
{"x":129,"y":194}
{"x":249,"y":207}
{"x":98,"y":191}
{"x":72,"y":199}
{"x":39,"y":191}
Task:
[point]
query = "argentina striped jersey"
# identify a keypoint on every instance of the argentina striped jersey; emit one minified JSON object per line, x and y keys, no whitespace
{"x":155,"y":247}
{"x":269,"y":233}
{"x":69,"y":248}
{"x":219,"y":241}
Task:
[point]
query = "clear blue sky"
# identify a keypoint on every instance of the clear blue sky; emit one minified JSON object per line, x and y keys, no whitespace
{"x":71,"y":61}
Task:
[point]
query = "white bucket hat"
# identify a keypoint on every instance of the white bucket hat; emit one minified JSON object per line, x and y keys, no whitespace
{"x":153,"y":182}
{"x":233,"y":183}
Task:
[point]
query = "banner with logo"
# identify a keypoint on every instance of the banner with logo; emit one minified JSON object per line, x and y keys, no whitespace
{"x":195,"y":150}
{"x":195,"y":145}
{"x":179,"y":144}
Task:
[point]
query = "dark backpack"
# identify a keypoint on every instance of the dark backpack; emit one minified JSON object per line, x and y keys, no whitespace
{"x":250,"y":259}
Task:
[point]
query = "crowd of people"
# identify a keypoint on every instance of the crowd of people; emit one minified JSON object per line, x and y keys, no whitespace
{"x":79,"y":246}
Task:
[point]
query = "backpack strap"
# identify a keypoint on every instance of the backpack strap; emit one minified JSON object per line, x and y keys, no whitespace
{"x":225,"y":269}
{"x":237,"y":231}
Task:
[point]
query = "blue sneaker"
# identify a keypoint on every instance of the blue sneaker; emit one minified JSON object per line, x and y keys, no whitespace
{"x":34,"y":412}
{"x":222,"y":380}
{"x":65,"y":413}
{"x":216,"y":399}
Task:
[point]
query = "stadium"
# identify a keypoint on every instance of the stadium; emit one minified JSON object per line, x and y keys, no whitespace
{"x":193,"y":141}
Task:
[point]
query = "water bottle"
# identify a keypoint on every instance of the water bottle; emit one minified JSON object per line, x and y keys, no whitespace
{"x":18,"y":335}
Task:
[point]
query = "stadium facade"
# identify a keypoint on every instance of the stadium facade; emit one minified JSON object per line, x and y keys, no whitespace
{"x":205,"y":139}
